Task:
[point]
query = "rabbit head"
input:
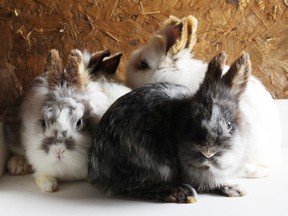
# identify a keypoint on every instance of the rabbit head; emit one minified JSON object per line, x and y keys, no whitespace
{"x":166,"y":54}
{"x":213,"y":142}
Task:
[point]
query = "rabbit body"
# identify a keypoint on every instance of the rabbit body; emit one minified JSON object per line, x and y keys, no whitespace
{"x":56,"y":118}
{"x":158,"y":140}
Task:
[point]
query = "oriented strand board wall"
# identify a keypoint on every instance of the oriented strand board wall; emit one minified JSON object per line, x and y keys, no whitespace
{"x":29,"y":28}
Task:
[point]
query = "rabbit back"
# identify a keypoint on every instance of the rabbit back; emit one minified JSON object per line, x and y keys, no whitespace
{"x":132,"y":143}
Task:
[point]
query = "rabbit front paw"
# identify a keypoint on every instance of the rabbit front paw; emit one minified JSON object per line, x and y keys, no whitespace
{"x":183,"y":193}
{"x":230,"y":190}
{"x":18,"y":165}
{"x":47,"y":183}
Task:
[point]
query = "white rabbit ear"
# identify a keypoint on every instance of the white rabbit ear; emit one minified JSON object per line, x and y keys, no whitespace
{"x":74,"y":72}
{"x":238,"y":74}
{"x":110,"y":64}
{"x":215,"y":68}
{"x":54,"y":68}
{"x":96,"y":60}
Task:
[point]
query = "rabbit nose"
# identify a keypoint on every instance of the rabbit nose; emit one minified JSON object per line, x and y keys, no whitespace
{"x":59,"y":152}
{"x":208,"y":153}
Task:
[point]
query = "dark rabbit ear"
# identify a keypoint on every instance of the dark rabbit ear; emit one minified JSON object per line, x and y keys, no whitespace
{"x":110,"y":64}
{"x":172,"y":35}
{"x":238,"y":74}
{"x":215,"y":68}
{"x":74,"y":73}
{"x":96,"y":60}
{"x":54,"y":67}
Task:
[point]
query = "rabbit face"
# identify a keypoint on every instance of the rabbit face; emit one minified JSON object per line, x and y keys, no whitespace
{"x":61,"y":135}
{"x":64,"y":127}
{"x":168,"y":57}
{"x":145,"y":61}
{"x":212,"y":136}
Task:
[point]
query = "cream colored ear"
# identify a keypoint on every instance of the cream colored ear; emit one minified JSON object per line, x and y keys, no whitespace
{"x":189,"y":29}
{"x":54,"y":68}
{"x":188,"y":35}
{"x":74,"y":72}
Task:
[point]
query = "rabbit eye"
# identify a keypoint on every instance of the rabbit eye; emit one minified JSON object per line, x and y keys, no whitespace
{"x":229,"y":125}
{"x":79,"y":124}
{"x":43,"y":124}
{"x":143,"y":65}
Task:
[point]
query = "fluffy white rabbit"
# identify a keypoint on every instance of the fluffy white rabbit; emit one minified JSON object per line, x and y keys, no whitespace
{"x":56,"y":118}
{"x":168,"y":58}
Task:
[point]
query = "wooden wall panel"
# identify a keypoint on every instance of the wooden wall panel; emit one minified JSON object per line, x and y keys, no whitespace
{"x":29,"y":28}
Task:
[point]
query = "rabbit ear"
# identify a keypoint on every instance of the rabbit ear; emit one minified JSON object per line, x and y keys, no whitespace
{"x":182,"y":35}
{"x":172,"y":36}
{"x":110,"y":64}
{"x":54,"y":67}
{"x":215,"y":68}
{"x":238,"y":74}
{"x":189,"y":31}
{"x":170,"y":22}
{"x":96,"y":60}
{"x":74,"y":73}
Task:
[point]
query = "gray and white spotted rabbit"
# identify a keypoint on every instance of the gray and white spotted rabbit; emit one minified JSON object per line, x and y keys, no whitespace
{"x":56,"y":117}
{"x":168,"y":57}
{"x":160,"y":142}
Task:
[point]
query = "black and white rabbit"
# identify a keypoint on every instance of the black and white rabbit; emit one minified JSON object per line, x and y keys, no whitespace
{"x":168,"y":57}
{"x":56,"y":122}
{"x":52,"y":125}
{"x":160,"y":142}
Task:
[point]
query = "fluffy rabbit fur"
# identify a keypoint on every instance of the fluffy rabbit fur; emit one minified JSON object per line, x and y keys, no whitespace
{"x":168,"y":58}
{"x":159,"y":142}
{"x":105,"y":87}
{"x":57,"y":115}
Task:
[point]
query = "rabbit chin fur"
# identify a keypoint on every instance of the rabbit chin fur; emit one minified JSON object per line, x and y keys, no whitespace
{"x":260,"y":114}
{"x":231,"y":165}
{"x":73,"y":162}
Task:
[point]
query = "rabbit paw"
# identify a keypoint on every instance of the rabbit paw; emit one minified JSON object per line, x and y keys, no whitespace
{"x":47,"y":183}
{"x":18,"y":165}
{"x":181,"y":194}
{"x":230,"y":191}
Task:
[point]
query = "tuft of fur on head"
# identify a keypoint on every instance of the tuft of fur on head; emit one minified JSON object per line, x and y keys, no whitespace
{"x":74,"y":72}
{"x":54,"y":67}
